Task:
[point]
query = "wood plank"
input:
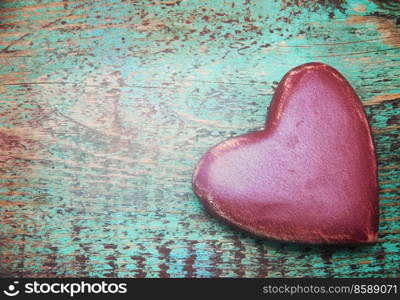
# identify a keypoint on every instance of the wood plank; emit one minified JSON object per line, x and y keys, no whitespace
{"x":106,"y":106}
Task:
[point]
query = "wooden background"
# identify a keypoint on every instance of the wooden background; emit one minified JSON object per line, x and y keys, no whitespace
{"x":107,"y":105}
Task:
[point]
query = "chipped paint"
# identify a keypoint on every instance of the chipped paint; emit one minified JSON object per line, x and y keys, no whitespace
{"x":106,"y":106}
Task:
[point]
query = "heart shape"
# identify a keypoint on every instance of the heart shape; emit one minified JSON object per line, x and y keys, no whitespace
{"x":310,"y":176}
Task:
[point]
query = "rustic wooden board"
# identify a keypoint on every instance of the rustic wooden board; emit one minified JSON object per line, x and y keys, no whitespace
{"x":106,"y":106}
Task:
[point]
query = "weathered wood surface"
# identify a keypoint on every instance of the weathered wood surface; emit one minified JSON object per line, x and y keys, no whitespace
{"x":106,"y":106}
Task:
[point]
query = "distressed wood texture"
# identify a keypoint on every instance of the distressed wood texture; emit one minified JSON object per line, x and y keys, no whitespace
{"x":107,"y":105}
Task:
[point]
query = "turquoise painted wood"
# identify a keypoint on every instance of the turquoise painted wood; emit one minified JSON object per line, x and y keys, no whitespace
{"x":107,"y":105}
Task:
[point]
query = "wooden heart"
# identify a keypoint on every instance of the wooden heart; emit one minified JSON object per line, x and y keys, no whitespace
{"x":310,"y":176}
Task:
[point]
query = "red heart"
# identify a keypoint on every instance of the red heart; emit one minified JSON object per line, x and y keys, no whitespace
{"x":310,"y":176}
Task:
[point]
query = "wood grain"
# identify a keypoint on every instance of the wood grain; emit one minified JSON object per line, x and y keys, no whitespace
{"x":106,"y":106}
